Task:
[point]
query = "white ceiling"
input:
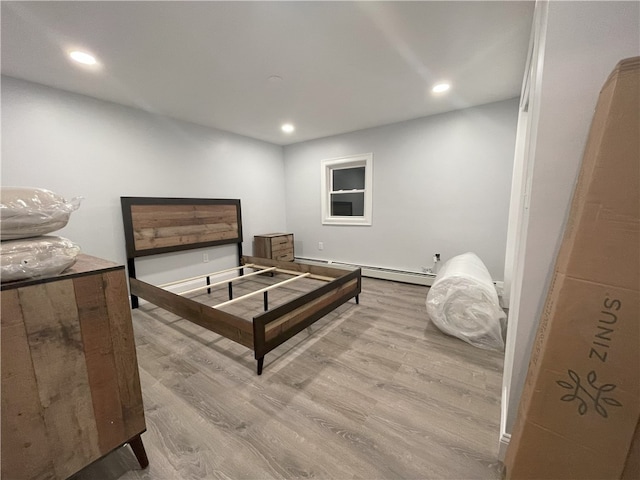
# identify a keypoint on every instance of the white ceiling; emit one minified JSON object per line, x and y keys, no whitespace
{"x":344,"y":66}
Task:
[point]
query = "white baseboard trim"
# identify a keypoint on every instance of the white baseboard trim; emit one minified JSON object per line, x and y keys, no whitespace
{"x":505,"y":438}
{"x":415,"y":278}
{"x":399,"y":276}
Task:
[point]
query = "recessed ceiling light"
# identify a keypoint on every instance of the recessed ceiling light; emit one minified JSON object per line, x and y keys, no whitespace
{"x":83,"y":57}
{"x":288,"y":128}
{"x":440,"y":87}
{"x":275,"y":79}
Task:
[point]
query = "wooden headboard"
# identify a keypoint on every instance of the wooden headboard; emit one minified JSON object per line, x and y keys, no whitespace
{"x":161,"y":225}
{"x":155,"y":225}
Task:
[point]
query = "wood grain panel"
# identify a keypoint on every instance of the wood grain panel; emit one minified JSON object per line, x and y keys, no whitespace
{"x":182,"y":240}
{"x":84,"y":265}
{"x":175,"y":215}
{"x":225,"y":324}
{"x":150,"y":233}
{"x":126,"y":361}
{"x":299,"y":267}
{"x":166,"y":225}
{"x":25,"y":448}
{"x":99,"y":356}
{"x":289,"y":320}
{"x":53,"y":332}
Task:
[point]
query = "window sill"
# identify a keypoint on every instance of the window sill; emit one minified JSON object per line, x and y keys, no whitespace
{"x":354,"y":221}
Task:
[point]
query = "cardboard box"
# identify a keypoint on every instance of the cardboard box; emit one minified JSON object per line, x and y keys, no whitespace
{"x":632,"y":467}
{"x":581,"y":401}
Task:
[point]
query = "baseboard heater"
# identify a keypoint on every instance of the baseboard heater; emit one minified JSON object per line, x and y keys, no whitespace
{"x":415,"y":278}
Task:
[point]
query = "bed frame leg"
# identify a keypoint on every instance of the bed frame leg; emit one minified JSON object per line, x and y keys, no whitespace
{"x":131,"y":266}
{"x":260,"y":364}
{"x":357,"y":299}
{"x":138,"y":450}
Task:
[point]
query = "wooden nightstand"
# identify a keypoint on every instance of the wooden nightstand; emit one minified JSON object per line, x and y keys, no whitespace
{"x":277,"y":246}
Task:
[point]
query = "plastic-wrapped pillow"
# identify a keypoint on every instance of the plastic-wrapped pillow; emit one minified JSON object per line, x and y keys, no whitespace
{"x":37,"y":257}
{"x":463,"y":302}
{"x":29,"y":212}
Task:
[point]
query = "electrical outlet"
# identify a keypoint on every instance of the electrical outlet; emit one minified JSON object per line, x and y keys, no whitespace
{"x":320,"y":246}
{"x":205,"y":257}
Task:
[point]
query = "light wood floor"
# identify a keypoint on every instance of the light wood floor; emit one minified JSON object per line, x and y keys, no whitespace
{"x":374,"y":391}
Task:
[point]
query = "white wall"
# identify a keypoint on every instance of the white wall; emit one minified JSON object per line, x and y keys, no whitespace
{"x":583,"y":43}
{"x":78,"y":146}
{"x":440,"y":185}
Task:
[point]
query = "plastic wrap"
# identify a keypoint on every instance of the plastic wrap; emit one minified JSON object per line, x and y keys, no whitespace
{"x":36,"y":257}
{"x":29,"y":212}
{"x":463,"y":302}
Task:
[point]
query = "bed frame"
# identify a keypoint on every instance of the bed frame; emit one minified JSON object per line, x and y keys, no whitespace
{"x":164,"y":225}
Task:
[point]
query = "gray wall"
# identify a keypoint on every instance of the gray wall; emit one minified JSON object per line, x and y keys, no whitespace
{"x":440,"y":185}
{"x":584,"y":42}
{"x":78,"y":146}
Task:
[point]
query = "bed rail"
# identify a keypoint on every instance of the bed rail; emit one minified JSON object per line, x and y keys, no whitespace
{"x":276,"y":326}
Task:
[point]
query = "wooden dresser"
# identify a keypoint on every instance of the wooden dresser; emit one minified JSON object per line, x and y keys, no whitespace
{"x":277,"y":246}
{"x":70,"y":383}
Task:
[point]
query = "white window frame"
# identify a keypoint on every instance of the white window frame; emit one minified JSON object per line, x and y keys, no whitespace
{"x":352,"y":161}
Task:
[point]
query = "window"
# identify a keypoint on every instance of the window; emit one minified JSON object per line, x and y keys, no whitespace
{"x":346,"y":190}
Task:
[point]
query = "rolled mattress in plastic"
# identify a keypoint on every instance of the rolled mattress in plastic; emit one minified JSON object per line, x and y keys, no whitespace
{"x":36,"y":257}
{"x":463,"y":302}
